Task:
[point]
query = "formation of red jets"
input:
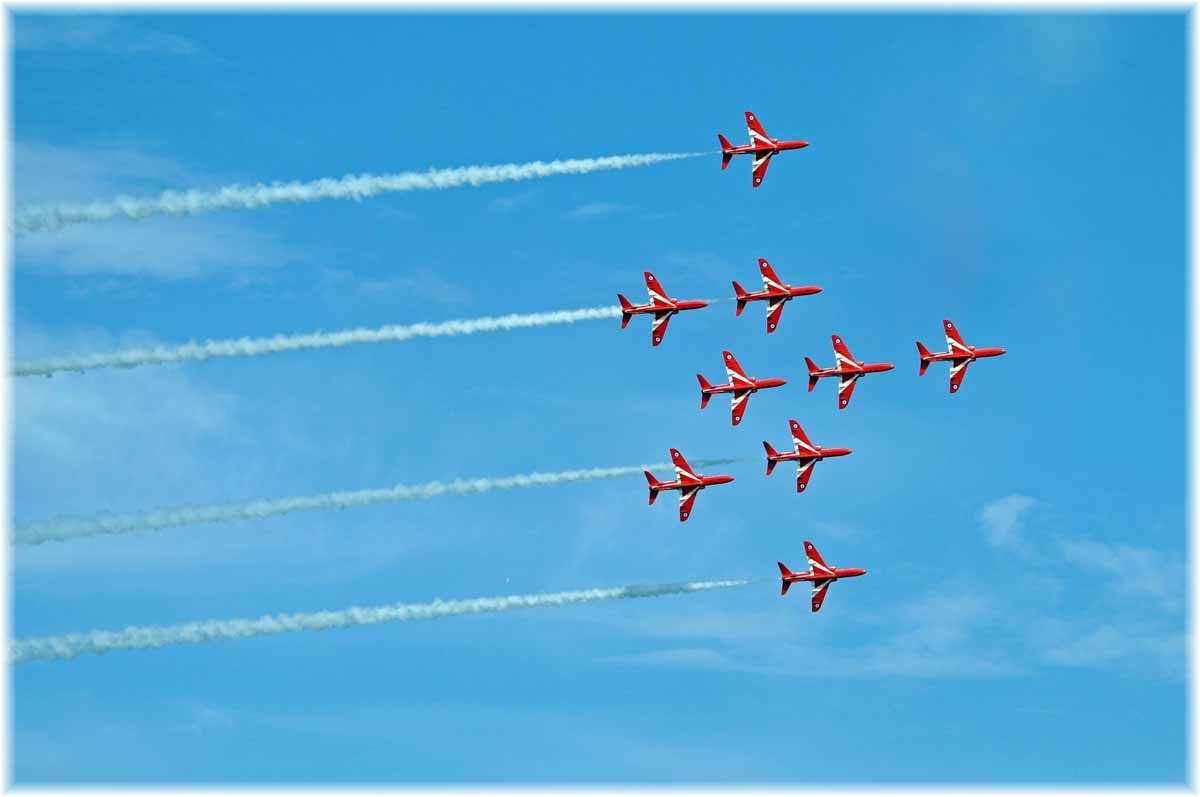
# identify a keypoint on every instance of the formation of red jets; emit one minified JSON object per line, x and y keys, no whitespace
{"x":846,"y":368}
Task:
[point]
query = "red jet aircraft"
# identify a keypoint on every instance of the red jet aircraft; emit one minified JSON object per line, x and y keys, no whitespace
{"x":761,"y":146}
{"x":688,"y":482}
{"x":806,"y":455}
{"x":958,"y":353}
{"x":660,"y":304}
{"x":740,"y":385}
{"x":848,"y":370}
{"x":774,"y":293}
{"x":820,"y":574}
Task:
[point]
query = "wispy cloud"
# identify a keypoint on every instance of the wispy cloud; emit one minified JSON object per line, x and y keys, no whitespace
{"x":423,"y":283}
{"x":595,"y":210}
{"x":207,"y":719}
{"x":170,"y":249}
{"x":943,"y":632}
{"x":1134,"y":571}
{"x":512,"y":202}
{"x":1144,"y":645}
{"x":108,"y":34}
{"x":1001,"y":520}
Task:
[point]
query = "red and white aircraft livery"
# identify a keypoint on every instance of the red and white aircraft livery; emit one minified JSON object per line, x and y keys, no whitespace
{"x":958,"y":353}
{"x":848,"y":370}
{"x":740,"y":385}
{"x":687,"y":482}
{"x":820,"y":574}
{"x":806,"y":455}
{"x":660,"y":304}
{"x":775,"y":293}
{"x":761,"y":146}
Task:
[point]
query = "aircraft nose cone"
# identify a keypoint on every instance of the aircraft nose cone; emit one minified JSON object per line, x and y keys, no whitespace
{"x":1003,"y":351}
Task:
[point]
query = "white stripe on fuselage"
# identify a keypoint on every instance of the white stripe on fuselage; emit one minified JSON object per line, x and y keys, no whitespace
{"x":951,"y":344}
{"x":769,"y":283}
{"x":655,"y":296}
{"x":756,"y":136}
{"x":806,"y":446}
{"x":814,"y":566}
{"x":847,"y":361}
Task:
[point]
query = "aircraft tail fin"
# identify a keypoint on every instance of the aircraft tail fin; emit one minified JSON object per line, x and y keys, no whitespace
{"x":812,"y":373}
{"x":925,"y":355}
{"x":626,"y":307}
{"x":784,"y":573}
{"x":726,"y":155}
{"x":705,"y":388}
{"x":772,"y":457}
{"x":740,"y":293}
{"x":653,"y":482}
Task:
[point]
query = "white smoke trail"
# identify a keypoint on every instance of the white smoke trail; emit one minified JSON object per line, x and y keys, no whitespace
{"x":252,"y":347}
{"x":68,"y":646}
{"x":55,"y":216}
{"x":66,"y":529}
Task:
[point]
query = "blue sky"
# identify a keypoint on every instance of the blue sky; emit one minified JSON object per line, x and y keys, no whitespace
{"x":1023,"y":617}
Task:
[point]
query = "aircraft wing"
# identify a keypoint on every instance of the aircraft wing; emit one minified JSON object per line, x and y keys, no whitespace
{"x":683,"y":471}
{"x":774,"y":313}
{"x":687,"y":497}
{"x":958,"y":369}
{"x":846,"y":389}
{"x":954,"y":341}
{"x":815,"y":562}
{"x":758,"y":135}
{"x":737,"y":376}
{"x":841,"y":353}
{"x":819,"y":589}
{"x":761,"y":162}
{"x":658,"y":294}
{"x":658,"y":328}
{"x":804,"y":471}
{"x":741,"y":398}
{"x":800,"y":440}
